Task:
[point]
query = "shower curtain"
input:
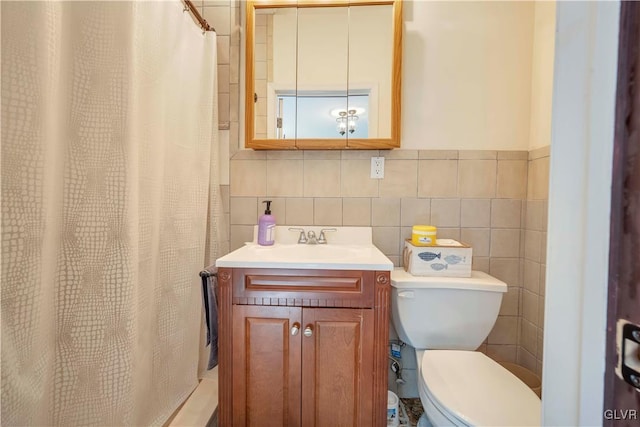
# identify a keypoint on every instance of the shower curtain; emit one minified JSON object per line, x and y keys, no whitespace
{"x":109,"y":176}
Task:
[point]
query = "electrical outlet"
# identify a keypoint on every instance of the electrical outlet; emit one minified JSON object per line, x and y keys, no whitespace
{"x":377,"y":167}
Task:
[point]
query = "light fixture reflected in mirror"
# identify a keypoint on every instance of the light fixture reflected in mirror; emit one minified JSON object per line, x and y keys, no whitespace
{"x":346,"y":119}
{"x":342,"y":122}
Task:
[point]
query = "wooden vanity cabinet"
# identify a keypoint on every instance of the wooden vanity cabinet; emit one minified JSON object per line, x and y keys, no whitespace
{"x":303,"y":347}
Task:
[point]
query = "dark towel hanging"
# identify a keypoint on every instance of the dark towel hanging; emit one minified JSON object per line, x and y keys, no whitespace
{"x":209,"y":298}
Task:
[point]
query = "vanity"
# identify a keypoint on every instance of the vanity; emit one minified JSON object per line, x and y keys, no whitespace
{"x":303,"y":331}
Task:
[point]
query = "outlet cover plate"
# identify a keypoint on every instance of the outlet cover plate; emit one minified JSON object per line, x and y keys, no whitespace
{"x":377,"y":167}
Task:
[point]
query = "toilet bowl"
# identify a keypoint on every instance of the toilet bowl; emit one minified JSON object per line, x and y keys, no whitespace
{"x":467,"y":388}
{"x":445,"y":319}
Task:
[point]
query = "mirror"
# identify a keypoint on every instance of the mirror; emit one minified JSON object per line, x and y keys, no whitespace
{"x":323,"y":75}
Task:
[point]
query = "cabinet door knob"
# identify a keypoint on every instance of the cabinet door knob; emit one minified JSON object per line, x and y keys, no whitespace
{"x":295,"y":329}
{"x":308,"y":331}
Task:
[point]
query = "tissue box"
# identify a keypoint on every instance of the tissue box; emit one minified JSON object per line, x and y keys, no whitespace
{"x":448,"y":258}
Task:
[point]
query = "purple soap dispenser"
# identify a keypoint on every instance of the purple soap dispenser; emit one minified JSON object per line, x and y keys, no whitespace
{"x":267,"y":227}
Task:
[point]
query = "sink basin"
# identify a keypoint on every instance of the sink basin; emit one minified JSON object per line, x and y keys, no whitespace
{"x":308,"y":253}
{"x":349,"y":248}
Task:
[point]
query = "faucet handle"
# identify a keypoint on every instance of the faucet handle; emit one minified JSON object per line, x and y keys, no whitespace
{"x":302,"y":238}
{"x":323,"y":239}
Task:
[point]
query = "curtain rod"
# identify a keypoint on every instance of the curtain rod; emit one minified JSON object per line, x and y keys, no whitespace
{"x":189,"y":6}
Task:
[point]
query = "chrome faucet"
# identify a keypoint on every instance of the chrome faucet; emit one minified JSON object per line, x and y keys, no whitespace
{"x":310,"y":237}
{"x":322,"y":240}
{"x":302,"y":239}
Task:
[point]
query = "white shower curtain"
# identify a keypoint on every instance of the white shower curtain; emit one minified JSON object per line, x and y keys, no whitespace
{"x":108,"y":141}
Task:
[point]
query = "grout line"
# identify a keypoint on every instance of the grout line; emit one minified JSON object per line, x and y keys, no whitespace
{"x":458,"y":176}
{"x":495,"y":188}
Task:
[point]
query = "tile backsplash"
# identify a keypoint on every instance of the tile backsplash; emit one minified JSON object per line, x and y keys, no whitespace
{"x":533,"y":266}
{"x":478,"y":197}
{"x":334,"y":188}
{"x":497,"y":209}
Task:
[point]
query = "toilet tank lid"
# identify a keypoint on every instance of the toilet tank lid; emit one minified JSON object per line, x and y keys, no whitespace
{"x":478,"y":281}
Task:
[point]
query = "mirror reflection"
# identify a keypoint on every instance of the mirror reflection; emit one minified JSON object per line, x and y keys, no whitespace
{"x":323,"y":72}
{"x":370,"y":64}
{"x":323,"y":76}
{"x":274,"y":69}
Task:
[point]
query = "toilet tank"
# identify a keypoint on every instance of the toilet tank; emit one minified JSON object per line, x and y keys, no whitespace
{"x":449,"y":313}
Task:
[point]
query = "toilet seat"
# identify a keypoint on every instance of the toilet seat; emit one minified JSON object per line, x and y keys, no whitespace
{"x":469,"y":388}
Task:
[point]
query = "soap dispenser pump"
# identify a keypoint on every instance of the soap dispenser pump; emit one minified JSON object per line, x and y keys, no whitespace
{"x":266,"y":227}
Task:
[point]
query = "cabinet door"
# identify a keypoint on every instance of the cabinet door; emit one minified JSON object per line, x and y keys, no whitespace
{"x":266,"y":366}
{"x":337,"y":367}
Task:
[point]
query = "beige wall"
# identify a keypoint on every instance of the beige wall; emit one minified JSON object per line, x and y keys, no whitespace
{"x":467,"y":75}
{"x":489,"y":190}
{"x":468,"y":71}
{"x":542,"y":74}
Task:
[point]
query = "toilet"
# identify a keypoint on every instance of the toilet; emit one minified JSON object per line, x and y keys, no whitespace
{"x":445,"y":319}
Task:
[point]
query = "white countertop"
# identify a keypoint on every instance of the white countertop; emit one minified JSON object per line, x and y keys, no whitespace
{"x":349,"y":248}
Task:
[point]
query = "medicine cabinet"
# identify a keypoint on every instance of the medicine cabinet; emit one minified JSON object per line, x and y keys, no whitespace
{"x":322,"y":74}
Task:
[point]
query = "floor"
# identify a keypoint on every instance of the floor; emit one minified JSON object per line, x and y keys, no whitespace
{"x":198,"y":409}
{"x":414,"y":410}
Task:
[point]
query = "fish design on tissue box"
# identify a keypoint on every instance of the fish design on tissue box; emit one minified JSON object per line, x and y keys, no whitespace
{"x":447,"y":258}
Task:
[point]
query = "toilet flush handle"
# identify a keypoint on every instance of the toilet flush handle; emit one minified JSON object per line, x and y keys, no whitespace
{"x":405,"y":294}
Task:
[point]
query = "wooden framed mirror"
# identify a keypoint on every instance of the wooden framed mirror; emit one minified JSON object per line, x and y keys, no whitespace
{"x":323,"y":75}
